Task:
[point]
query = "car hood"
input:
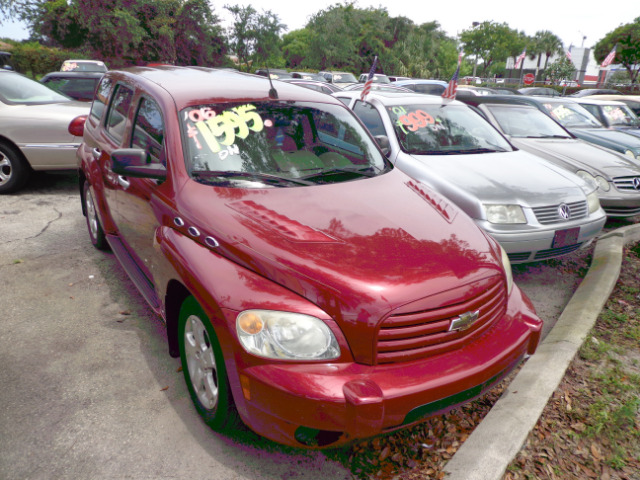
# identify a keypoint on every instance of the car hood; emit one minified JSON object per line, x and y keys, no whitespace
{"x":612,"y":137}
{"x":357,"y":250}
{"x":630,"y":130}
{"x":577,"y":154}
{"x":503,"y":177}
{"x":41,"y":124}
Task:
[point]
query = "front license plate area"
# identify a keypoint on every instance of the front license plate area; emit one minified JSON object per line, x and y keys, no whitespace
{"x":566,"y":237}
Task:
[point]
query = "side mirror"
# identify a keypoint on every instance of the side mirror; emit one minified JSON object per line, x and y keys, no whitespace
{"x":383,"y":143}
{"x":132,"y":162}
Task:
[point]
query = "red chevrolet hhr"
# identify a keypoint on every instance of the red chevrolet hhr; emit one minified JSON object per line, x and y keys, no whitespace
{"x":309,"y":287}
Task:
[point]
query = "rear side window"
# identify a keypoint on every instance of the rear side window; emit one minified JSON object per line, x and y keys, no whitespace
{"x":148,"y":131}
{"x":117,"y":114}
{"x":100,"y":99}
{"x":370,"y":117}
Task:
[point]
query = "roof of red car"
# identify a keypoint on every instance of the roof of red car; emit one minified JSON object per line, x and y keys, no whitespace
{"x":200,"y":85}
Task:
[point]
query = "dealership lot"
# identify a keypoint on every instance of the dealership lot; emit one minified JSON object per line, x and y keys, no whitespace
{"x":89,"y":390}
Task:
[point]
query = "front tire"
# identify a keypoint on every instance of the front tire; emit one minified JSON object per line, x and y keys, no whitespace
{"x":203,"y":367}
{"x":14,"y":170}
{"x":96,"y":233}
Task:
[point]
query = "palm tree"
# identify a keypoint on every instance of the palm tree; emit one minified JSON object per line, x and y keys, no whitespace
{"x":548,"y":43}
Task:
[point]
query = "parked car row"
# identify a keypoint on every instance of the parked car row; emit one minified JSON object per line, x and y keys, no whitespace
{"x":328,"y":268}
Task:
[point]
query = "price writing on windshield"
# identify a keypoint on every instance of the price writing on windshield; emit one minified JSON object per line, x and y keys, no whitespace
{"x":413,"y":120}
{"x":222,"y":129}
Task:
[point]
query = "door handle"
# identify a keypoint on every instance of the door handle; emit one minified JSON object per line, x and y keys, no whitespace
{"x":123,"y":181}
{"x":96,"y":153}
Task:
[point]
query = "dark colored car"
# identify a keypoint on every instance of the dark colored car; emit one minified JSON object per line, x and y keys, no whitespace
{"x":617,"y":176}
{"x":275,"y":73}
{"x":595,"y":91}
{"x":575,"y":118}
{"x":309,"y":76}
{"x":307,"y":285}
{"x":539,"y":91}
{"x":77,"y":85}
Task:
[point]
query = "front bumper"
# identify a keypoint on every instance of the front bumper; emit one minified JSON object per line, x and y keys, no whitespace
{"x":536,"y":243}
{"x":318,"y":405}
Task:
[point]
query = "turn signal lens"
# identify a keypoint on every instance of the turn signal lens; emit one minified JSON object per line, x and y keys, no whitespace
{"x":250,"y":323}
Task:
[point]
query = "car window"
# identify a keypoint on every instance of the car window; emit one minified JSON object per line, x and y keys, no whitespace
{"x":431,"y":89}
{"x":117,"y":114}
{"x":620,"y":116}
{"x":16,"y":89}
{"x":267,"y":141}
{"x":76,"y":88}
{"x":148,"y":131}
{"x":444,"y":129}
{"x":370,"y":117}
{"x":100,"y":98}
{"x":526,"y":122}
{"x":571,"y":115}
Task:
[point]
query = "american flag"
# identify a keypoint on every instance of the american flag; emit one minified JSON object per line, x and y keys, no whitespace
{"x":367,"y":86}
{"x":520,"y":59}
{"x":452,"y":88}
{"x":609,"y":59}
{"x":569,"y":53}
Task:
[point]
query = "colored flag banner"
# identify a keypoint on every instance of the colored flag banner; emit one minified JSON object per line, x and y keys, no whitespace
{"x":367,"y":85}
{"x":609,"y":58}
{"x":520,"y":58}
{"x":452,"y":88}
{"x":569,"y":53}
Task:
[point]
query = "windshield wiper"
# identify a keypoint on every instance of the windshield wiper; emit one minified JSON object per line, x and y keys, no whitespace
{"x":253,"y":175}
{"x":365,"y":171}
{"x":547,"y":136}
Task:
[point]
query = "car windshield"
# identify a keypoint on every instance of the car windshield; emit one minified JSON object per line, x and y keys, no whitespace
{"x":526,"y":122}
{"x":344,"y":78}
{"x":444,"y":129}
{"x":16,"y":89}
{"x":620,"y":116}
{"x":571,"y":115}
{"x":277,"y":144}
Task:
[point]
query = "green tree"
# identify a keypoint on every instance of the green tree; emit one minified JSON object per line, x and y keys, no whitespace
{"x":255,"y":37}
{"x":626,"y":39}
{"x":295,"y":46}
{"x":491,"y":42}
{"x":561,"y":69}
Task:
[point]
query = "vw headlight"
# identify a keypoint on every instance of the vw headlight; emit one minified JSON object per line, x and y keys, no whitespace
{"x":286,"y":335}
{"x":506,"y":264}
{"x":630,"y":153}
{"x":505,"y":214}
{"x":592,"y":202}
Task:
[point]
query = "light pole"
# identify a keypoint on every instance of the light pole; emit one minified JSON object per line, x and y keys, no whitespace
{"x":475,"y":61}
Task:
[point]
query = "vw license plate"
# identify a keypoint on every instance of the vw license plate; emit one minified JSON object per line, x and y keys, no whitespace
{"x":563,"y":238}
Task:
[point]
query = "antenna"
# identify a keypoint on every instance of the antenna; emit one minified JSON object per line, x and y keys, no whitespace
{"x":273,"y":94}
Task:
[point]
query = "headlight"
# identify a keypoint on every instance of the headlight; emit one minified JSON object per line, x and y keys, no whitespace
{"x":593,"y":202}
{"x":603,"y":183}
{"x":629,"y":153}
{"x":596,"y":182}
{"x":505,"y":214}
{"x":506,"y":264}
{"x":286,"y":335}
{"x":587,"y":177}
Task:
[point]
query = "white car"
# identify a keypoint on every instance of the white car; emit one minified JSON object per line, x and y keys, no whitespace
{"x":34,"y":122}
{"x":533,"y":208}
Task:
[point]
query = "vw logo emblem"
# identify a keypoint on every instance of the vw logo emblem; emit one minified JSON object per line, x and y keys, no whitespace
{"x":564,"y":211}
{"x":636,"y":183}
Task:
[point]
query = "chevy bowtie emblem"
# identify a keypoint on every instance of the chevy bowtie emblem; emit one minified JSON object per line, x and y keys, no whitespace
{"x":464,"y":321}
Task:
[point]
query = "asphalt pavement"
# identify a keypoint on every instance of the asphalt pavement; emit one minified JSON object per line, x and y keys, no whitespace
{"x":88,"y":390}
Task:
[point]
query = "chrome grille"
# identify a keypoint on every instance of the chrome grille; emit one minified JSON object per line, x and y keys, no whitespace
{"x":627,"y":184}
{"x":550,"y":214}
{"x":411,"y":336}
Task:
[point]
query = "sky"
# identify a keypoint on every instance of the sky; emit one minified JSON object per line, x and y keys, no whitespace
{"x":571,"y":21}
